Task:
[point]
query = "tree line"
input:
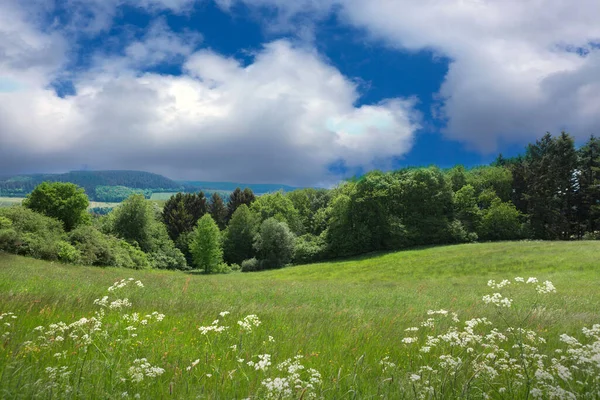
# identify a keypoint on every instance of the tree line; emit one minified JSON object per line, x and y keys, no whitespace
{"x":551,"y":192}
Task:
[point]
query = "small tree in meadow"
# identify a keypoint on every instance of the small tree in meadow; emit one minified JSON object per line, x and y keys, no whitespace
{"x":206,"y":245}
{"x":274,"y":244}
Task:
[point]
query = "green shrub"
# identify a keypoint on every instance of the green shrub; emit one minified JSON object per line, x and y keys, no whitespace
{"x":591,"y":235}
{"x":250,"y":265}
{"x":501,"y":222}
{"x":97,"y":248}
{"x":67,"y":253}
{"x":458,"y":233}
{"x":30,"y":233}
{"x":5,"y":223}
{"x":309,"y":248}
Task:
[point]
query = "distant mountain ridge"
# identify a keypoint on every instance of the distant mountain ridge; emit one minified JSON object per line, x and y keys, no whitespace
{"x":258,"y":188}
{"x":114,"y":185}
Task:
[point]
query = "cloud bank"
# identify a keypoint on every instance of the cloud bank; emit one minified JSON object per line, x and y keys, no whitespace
{"x":285,"y":117}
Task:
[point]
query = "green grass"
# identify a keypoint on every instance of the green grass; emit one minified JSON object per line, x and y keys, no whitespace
{"x":343,"y":316}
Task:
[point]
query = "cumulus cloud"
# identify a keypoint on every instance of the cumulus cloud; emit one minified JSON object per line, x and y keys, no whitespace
{"x":285,"y":117}
{"x":517,"y":68}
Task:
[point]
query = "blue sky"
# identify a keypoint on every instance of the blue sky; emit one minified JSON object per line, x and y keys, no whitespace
{"x":298,"y":92}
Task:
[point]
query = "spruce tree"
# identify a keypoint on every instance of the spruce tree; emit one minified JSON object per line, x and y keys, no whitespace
{"x":217,"y":210}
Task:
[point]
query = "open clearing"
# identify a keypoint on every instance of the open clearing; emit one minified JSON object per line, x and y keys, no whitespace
{"x":344,"y":317}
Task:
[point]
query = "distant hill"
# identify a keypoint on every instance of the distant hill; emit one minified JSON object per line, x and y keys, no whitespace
{"x":99,"y":185}
{"x":231,"y":186}
{"x":114,"y":186}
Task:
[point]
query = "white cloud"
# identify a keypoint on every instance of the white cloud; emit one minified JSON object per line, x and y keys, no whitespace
{"x":513,"y":72}
{"x":285,"y":117}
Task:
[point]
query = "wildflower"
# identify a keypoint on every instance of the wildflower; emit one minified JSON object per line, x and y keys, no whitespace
{"x":193,"y":365}
{"x":262,"y":364}
{"x":414,"y":377}
{"x":545,"y":288}
{"x":223,"y":313}
{"x":248,"y":322}
{"x":409,"y":340}
{"x":141,"y":369}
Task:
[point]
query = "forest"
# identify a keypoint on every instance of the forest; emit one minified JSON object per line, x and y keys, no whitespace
{"x":550,"y":192}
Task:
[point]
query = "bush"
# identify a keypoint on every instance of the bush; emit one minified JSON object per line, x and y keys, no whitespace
{"x":96,"y":248}
{"x":309,"y":248}
{"x":250,"y":265}
{"x":458,"y":233}
{"x":168,"y":257}
{"x":591,"y":235}
{"x":501,"y":222}
{"x":67,"y":253}
{"x":29,"y":233}
{"x":5,"y":223}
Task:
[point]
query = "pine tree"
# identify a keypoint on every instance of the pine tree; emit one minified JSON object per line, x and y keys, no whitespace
{"x":181,"y":213}
{"x":237,"y":198}
{"x":217,"y":210}
{"x":589,"y":185}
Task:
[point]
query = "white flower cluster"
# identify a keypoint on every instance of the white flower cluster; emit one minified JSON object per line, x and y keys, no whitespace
{"x":497,"y":299}
{"x":249,"y":322}
{"x":263,"y":363}
{"x":123,"y":282}
{"x":141,"y":369}
{"x":6,"y":317}
{"x":298,"y":382}
{"x":214,"y":327}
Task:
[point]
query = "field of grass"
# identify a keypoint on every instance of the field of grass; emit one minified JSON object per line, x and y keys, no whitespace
{"x":344,"y":318}
{"x":10,"y":201}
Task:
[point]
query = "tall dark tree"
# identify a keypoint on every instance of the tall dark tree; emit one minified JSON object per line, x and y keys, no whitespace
{"x":551,"y":186}
{"x":237,"y":198}
{"x":589,"y":185}
{"x":217,"y":210}
{"x":182,"y":211}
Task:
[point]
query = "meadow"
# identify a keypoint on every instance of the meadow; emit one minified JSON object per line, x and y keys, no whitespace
{"x":378,"y":326}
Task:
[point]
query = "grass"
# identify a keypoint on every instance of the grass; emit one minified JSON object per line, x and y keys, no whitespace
{"x":342,"y":316}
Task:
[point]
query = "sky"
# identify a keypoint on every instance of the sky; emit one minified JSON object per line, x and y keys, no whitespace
{"x":298,"y":92}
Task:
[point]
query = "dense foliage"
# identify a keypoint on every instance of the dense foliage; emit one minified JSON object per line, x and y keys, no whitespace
{"x":63,"y":201}
{"x":551,"y":192}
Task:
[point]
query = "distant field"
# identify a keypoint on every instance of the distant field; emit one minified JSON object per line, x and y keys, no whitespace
{"x":10,"y":201}
{"x":162,"y":196}
{"x":343,"y":317}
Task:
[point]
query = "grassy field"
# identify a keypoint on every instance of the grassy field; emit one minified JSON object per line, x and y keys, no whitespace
{"x":10,"y":201}
{"x":344,"y":318}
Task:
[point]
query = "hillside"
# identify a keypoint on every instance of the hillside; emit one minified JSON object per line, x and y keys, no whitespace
{"x":343,"y":317}
{"x":114,"y":186}
{"x":231,"y":186}
{"x":94,"y":182}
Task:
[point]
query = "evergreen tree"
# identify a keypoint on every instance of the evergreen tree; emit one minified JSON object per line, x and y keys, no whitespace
{"x":182,"y":211}
{"x":206,"y":245}
{"x":237,"y":198}
{"x":589,"y":186}
{"x":217,"y":210}
{"x":550,"y":193}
